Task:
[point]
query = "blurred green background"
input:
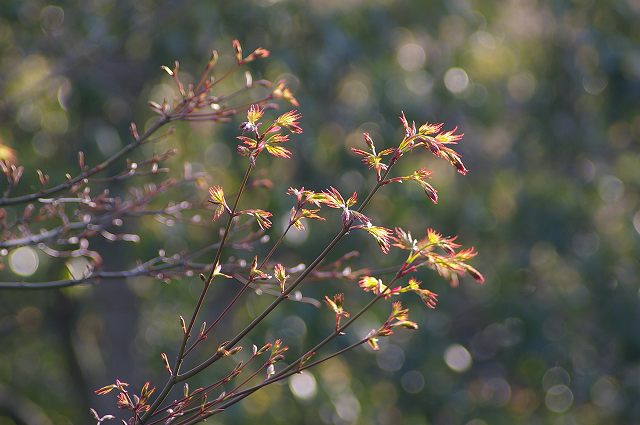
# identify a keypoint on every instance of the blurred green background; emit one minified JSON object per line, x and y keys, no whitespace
{"x":546,"y":93}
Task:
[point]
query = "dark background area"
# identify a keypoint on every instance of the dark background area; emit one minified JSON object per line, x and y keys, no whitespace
{"x":546,"y":93}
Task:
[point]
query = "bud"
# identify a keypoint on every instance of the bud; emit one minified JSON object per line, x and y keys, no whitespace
{"x":165,"y":359}
{"x":167,"y":70}
{"x":243,"y":150}
{"x":213,"y":59}
{"x":44,"y":178}
{"x":373,"y":343}
{"x":233,"y":351}
{"x":431,"y":192}
{"x":261,"y":53}
{"x":475,"y":274}
{"x":247,"y":127}
{"x":434,"y":149}
{"x":238,"y":50}
{"x":408,"y":324}
{"x":307,"y":357}
{"x":185,"y":390}
{"x":346,"y":218}
{"x":271,"y":370}
{"x":459,"y":165}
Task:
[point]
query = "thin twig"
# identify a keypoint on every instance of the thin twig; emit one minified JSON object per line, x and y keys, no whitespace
{"x":246,"y":285}
{"x":180,"y":357}
{"x":277,"y":301}
{"x":90,"y":172}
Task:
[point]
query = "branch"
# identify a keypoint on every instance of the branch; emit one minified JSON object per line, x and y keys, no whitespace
{"x":146,"y":269}
{"x":180,"y":357}
{"x":284,"y":295}
{"x":88,"y":173}
{"x":235,"y":398}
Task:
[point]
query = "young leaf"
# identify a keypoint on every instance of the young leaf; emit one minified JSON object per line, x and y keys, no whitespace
{"x":216,"y":197}
{"x":281,"y":276}
{"x":289,"y":120}
{"x":261,"y":216}
{"x":336,"y":304}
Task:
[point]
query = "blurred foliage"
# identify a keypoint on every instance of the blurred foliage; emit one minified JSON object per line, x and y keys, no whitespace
{"x":547,"y":94}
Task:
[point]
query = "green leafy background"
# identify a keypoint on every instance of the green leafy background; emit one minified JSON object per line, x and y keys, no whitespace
{"x":546,"y":93}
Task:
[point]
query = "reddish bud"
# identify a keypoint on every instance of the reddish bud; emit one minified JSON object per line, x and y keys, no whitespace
{"x":475,"y":274}
{"x":238,"y":50}
{"x":165,"y":359}
{"x":431,"y":192}
{"x":459,"y":166}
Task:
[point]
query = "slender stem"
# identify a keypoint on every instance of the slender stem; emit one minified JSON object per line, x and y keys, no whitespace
{"x":180,"y":357}
{"x":146,"y":269}
{"x":277,"y":301}
{"x":205,"y":74}
{"x":198,"y":394}
{"x":216,"y":259}
{"x":374,"y":190}
{"x":231,"y":95}
{"x":248,"y":378}
{"x":254,"y":102}
{"x":5,"y":201}
{"x":7,"y":191}
{"x":93,"y":277}
{"x":266,"y":312}
{"x":242,"y":290}
{"x":222,"y":115}
{"x":275,"y":246}
{"x":96,"y":223}
{"x":136,"y":417}
{"x":245,"y":393}
{"x":98,"y":168}
{"x":177,"y":377}
{"x":293,"y":368}
{"x":339,"y":330}
{"x":209,"y":116}
{"x":224,"y":76}
{"x":297,"y":366}
{"x":213,"y":403}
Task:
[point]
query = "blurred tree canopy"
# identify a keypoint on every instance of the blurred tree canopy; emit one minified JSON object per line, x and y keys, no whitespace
{"x":547,"y":95}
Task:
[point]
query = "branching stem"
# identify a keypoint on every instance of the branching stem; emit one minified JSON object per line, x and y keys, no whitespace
{"x":181,"y":353}
{"x":90,"y":172}
{"x":215,"y":357}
